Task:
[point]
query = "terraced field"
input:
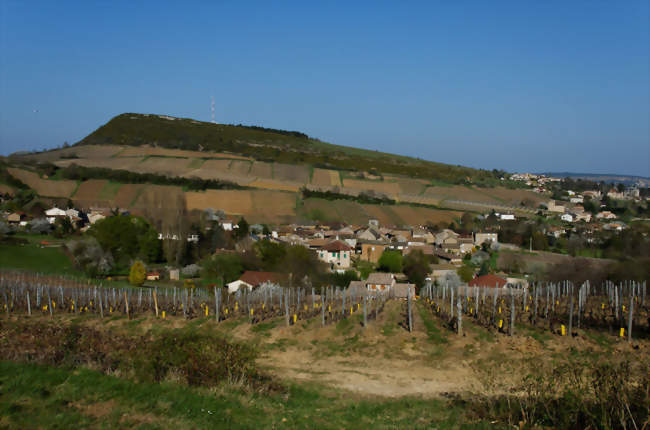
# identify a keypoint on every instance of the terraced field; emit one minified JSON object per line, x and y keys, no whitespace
{"x":326,"y":178}
{"x":254,"y":205}
{"x":44,"y":187}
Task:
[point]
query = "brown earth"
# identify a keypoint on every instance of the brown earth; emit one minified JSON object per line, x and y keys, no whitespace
{"x":44,"y":187}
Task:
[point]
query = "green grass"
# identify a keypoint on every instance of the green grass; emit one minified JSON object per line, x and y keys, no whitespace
{"x":264,"y":327}
{"x":33,"y":257}
{"x":34,"y":396}
{"x":434,"y":334}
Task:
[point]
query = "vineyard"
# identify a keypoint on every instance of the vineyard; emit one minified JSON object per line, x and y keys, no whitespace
{"x":33,"y":294}
{"x":560,"y":308}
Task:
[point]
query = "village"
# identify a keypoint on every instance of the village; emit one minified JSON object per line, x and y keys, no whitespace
{"x":461,"y":253}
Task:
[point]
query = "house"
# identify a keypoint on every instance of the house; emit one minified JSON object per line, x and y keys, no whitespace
{"x":357,"y":288}
{"x":15,"y":218}
{"x":174,"y":274}
{"x":583,"y":216}
{"x":553,"y":207}
{"x":576,"y":199}
{"x":481,"y":238}
{"x":595,"y":195}
{"x":373,"y":223}
{"x":402,"y":291}
{"x":616,"y":225}
{"x":251,"y":279}
{"x":94,"y":216}
{"x":450,"y":258}
{"x":372,"y":250}
{"x":605,"y":215}
{"x":72,"y":213}
{"x":566,"y":217}
{"x":369,"y":234}
{"x":228,"y":224}
{"x":380,"y":281}
{"x":440,"y":238}
{"x":54,"y":213}
{"x":421,"y":233}
{"x":440,"y":271}
{"x":507,"y":217}
{"x":491,"y":281}
{"x":153,"y":276}
{"x":336,"y":253}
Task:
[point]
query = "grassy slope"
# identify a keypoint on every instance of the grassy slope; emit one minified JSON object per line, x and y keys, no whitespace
{"x":34,"y":396}
{"x":36,"y":258}
{"x":138,"y":129}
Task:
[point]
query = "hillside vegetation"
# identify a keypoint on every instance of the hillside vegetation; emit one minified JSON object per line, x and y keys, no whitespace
{"x":266,"y":144}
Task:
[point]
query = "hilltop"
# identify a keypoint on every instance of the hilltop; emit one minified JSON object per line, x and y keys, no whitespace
{"x":267,"y":144}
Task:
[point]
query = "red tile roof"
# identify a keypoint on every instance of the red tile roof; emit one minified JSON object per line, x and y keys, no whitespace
{"x":492,"y":281}
{"x":256,"y":278}
{"x":337,"y":245}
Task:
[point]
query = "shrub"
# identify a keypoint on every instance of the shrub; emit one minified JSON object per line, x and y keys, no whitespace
{"x":137,"y":273}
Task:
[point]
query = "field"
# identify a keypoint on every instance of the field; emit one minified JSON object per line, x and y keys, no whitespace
{"x":355,"y":213}
{"x":388,"y":371}
{"x":326,"y":178}
{"x":255,"y":205}
{"x":140,"y":151}
{"x":163,"y":166}
{"x":32,"y":256}
{"x":389,"y":188}
{"x":291,"y":173}
{"x":44,"y":187}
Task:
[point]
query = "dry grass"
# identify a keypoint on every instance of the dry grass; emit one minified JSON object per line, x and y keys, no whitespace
{"x":262,"y":170}
{"x":106,"y":163}
{"x":90,"y":189}
{"x":255,"y":205}
{"x":127,"y":195}
{"x":388,"y":188}
{"x":326,"y":178}
{"x":44,"y":187}
{"x":139,"y":151}
{"x":240,"y":168}
{"x":276,"y":185}
{"x":163,"y":166}
{"x":291,"y":173}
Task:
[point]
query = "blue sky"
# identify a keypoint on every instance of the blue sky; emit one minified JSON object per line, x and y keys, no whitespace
{"x":523,"y":86}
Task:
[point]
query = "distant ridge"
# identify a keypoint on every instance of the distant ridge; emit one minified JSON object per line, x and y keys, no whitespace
{"x":598,"y":177}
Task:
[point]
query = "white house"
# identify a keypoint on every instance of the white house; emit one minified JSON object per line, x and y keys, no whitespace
{"x":480,"y":238}
{"x":94,"y":217}
{"x":53,"y":214}
{"x":507,"y":217}
{"x":251,"y":279}
{"x":336,"y":254}
{"x":566,"y":217}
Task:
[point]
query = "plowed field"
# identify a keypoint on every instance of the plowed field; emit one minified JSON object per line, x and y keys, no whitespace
{"x":44,"y":187}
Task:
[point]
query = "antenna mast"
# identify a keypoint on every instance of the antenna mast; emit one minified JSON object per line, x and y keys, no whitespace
{"x":212,"y":110}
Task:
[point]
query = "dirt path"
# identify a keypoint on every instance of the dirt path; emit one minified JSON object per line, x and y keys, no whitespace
{"x":383,"y":359}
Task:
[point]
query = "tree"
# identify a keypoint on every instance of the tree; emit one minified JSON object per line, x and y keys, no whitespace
{"x":227,"y":266}
{"x":63,"y":227}
{"x":485,"y":268}
{"x":416,"y":267}
{"x":90,"y":257}
{"x":242,"y":229}
{"x":466,"y":273}
{"x":137,"y":273}
{"x":126,"y":238}
{"x":390,"y":261}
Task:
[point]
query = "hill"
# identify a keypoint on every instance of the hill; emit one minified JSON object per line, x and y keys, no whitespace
{"x":150,"y":164}
{"x":266,"y":144}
